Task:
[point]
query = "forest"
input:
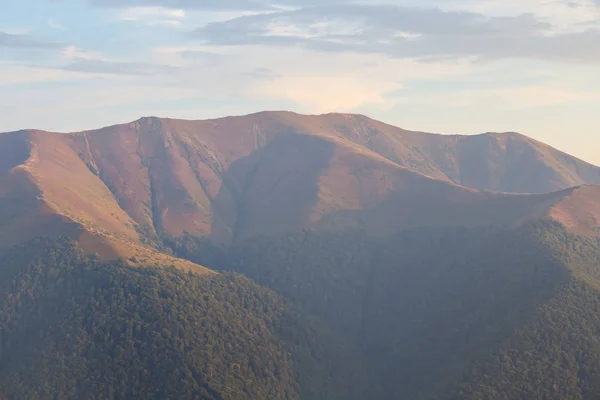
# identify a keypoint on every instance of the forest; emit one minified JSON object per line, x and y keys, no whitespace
{"x":74,"y":327}
{"x":433,"y":311}
{"x":487,"y":313}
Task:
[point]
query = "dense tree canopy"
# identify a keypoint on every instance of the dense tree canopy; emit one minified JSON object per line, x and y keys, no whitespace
{"x":429,"y":308}
{"x":489,"y":313}
{"x":76,"y":328}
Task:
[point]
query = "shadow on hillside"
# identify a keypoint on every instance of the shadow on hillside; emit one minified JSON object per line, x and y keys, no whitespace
{"x":14,"y":150}
{"x":272,"y":190}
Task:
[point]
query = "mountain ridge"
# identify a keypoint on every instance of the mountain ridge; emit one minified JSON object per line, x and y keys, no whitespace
{"x":332,"y":125}
{"x":275,"y":172}
{"x":289,"y":115}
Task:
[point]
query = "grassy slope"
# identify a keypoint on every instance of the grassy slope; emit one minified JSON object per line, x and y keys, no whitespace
{"x":267,"y":173}
{"x":218,"y":177}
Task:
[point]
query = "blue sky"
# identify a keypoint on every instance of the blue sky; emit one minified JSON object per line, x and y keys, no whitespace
{"x":448,"y":66}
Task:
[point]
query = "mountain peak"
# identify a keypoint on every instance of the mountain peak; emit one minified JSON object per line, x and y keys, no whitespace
{"x":267,"y":173}
{"x":505,"y":135}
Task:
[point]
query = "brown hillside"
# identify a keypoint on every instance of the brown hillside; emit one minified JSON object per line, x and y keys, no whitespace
{"x":502,"y":162}
{"x":47,"y":190}
{"x":273,"y":172}
{"x":580,"y":210}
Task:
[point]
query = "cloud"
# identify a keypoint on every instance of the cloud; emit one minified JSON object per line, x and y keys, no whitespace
{"x":565,"y":15}
{"x":263,"y":74}
{"x":298,"y":75}
{"x":14,"y":41}
{"x":407,"y":32}
{"x":167,"y":22}
{"x":154,"y":16}
{"x":75,"y":53}
{"x":143,"y":13}
{"x":56,"y":25}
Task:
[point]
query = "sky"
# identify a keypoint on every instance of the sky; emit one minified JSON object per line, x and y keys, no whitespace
{"x":445,"y":66}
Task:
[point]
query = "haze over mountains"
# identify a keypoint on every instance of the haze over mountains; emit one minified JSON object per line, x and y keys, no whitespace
{"x":391,"y":263}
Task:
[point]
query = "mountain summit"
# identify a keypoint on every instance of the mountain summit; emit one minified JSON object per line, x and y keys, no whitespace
{"x":119,"y":187}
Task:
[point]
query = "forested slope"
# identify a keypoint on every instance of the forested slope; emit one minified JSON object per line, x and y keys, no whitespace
{"x":556,"y":353}
{"x":486,"y":313}
{"x":429,"y":308}
{"x":73,"y":327}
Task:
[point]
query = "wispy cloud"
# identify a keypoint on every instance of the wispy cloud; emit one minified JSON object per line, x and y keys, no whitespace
{"x":168,"y":22}
{"x":157,"y":16}
{"x":56,"y":25}
{"x":263,"y":73}
{"x":564,"y":15}
{"x":407,"y":32}
{"x":91,"y":62}
{"x":143,"y":13}
{"x":74,"y":53}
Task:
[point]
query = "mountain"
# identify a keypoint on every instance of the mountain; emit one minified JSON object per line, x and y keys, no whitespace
{"x":124,"y":186}
{"x":345,"y":259}
{"x":275,"y":172}
{"x":501,"y":162}
{"x":47,"y":190}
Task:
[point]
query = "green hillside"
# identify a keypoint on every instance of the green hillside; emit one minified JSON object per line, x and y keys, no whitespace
{"x":73,"y":327}
{"x":556,"y":353}
{"x":431,"y":309}
{"x":489,"y":313}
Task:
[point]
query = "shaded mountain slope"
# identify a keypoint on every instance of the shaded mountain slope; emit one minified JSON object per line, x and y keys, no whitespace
{"x":424,"y":305}
{"x":438,"y":312}
{"x":503,"y":162}
{"x":555,"y":354}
